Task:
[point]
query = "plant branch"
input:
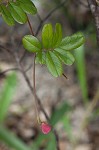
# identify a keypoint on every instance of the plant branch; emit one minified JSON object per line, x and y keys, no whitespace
{"x":95,"y":12}
{"x":7,"y":50}
{"x":8,"y":70}
{"x":21,"y":69}
{"x":30,"y":26}
{"x":37,"y":101}
{"x":48,"y":15}
{"x":34,"y":86}
{"x":34,"y":91}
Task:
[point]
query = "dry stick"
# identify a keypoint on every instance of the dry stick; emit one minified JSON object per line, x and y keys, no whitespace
{"x":7,"y":50}
{"x":36,"y":98}
{"x":95,"y":12}
{"x":65,"y":76}
{"x":8,"y":70}
{"x":13,"y":69}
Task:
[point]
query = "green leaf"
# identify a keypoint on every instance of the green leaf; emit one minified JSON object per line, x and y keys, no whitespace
{"x":41,"y":57}
{"x":54,"y":64}
{"x":65,"y":56}
{"x":47,"y":36}
{"x":11,"y":140}
{"x":58,"y":114}
{"x":6,"y":15}
{"x":17,"y":13}
{"x":31,"y":43}
{"x":57,"y":37}
{"x":27,"y":6}
{"x":6,"y":95}
{"x":72,"y":42}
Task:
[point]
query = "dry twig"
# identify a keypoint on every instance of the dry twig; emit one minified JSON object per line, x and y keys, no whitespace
{"x":94,"y":7}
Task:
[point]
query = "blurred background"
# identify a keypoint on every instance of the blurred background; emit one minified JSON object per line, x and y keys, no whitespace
{"x":72,"y":104}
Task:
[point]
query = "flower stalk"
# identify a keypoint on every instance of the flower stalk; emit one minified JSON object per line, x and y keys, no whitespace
{"x":45,"y":127}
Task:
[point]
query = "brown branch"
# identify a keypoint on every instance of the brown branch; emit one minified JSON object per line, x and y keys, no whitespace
{"x":15,"y":69}
{"x":95,"y":12}
{"x":6,"y":49}
{"x":49,"y":15}
{"x":8,"y":70}
{"x":30,"y":26}
{"x":65,"y":76}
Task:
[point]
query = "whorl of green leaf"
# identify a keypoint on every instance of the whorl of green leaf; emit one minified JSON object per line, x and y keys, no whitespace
{"x":47,"y":36}
{"x":57,"y":35}
{"x":53,"y":51}
{"x":50,"y":38}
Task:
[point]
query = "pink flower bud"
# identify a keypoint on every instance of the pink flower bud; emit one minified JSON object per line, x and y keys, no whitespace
{"x":46,"y":128}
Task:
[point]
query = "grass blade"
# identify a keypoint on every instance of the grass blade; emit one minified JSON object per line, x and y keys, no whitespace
{"x":81,"y":70}
{"x":11,"y":140}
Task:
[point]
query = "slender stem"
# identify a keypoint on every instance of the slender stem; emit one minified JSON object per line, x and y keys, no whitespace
{"x":34,"y":85}
{"x":49,"y":15}
{"x":36,"y":98}
{"x":7,"y":70}
{"x":34,"y":91}
{"x":30,"y":26}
